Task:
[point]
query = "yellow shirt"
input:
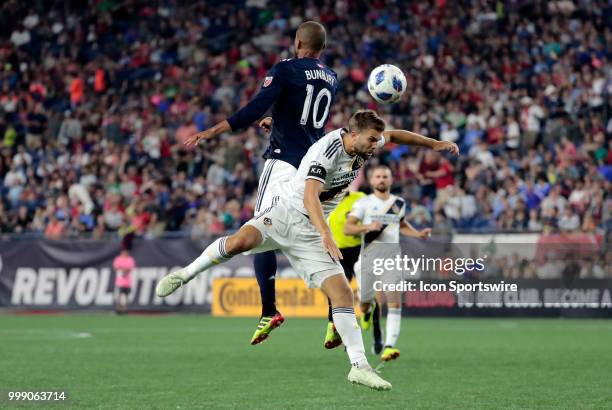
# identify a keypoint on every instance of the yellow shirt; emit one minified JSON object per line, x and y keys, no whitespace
{"x":337,"y":219}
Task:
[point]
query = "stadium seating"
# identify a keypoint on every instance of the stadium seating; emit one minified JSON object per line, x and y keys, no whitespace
{"x":94,"y":111}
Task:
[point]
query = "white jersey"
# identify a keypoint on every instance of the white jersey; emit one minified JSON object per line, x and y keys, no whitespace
{"x":326,"y":161}
{"x":389,"y":213}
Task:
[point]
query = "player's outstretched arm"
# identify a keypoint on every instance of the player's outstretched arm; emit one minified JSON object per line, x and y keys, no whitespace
{"x":253,"y":111}
{"x":210,"y":133}
{"x":412,"y":138}
{"x":407,"y":229}
{"x":313,"y":206}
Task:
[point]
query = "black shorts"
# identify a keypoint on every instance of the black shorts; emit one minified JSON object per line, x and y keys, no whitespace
{"x":124,"y":291}
{"x":349,"y":258}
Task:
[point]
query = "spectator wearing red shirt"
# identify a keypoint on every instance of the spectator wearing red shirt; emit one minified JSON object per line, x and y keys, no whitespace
{"x":566,"y":154}
{"x":444,"y":174}
{"x":428,"y":171}
{"x":77,"y":90}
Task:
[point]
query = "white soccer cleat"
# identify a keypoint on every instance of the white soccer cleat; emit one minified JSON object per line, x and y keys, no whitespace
{"x":171,"y":282}
{"x":368,"y":377}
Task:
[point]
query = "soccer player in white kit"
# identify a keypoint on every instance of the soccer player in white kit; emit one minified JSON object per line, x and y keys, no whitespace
{"x":379,"y":218}
{"x":297,"y":226}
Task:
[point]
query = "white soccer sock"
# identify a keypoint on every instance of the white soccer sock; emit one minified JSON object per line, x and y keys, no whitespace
{"x":347,"y":327}
{"x":214,"y":254}
{"x":394,"y":322}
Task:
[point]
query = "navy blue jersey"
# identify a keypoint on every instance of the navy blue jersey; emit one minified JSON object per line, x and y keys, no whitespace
{"x":302,"y":91}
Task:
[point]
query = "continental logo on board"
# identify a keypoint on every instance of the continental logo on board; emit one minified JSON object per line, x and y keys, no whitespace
{"x":240,"y":297}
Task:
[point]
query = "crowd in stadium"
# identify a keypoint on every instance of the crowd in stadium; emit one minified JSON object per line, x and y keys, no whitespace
{"x":96,"y":101}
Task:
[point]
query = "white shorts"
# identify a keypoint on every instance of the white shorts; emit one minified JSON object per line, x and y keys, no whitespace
{"x":286,"y":229}
{"x":273,"y":183}
{"x":367,"y":265}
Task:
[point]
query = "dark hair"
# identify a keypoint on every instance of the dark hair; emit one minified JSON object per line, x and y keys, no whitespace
{"x":377,"y":167}
{"x":366,"y":119}
{"x":313,"y":35}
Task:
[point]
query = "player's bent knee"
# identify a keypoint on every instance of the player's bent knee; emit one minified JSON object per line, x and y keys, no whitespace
{"x":244,"y":240}
{"x":235,"y":244}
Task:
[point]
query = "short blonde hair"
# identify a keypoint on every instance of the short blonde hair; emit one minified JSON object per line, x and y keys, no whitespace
{"x":366,"y":119}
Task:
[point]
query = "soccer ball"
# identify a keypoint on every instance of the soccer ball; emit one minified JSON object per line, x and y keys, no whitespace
{"x":386,"y":84}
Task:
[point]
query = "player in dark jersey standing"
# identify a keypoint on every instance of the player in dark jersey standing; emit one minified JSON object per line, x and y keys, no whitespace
{"x":300,"y":92}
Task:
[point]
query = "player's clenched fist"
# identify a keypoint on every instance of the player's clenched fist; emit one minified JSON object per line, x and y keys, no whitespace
{"x":424,"y":234}
{"x":446,"y":146}
{"x":266,"y":124}
{"x":374,"y":226}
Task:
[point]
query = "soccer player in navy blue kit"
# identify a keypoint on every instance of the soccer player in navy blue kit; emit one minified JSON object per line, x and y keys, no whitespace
{"x":300,"y":92}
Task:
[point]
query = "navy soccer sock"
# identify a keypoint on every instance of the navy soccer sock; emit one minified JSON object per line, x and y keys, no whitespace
{"x":376,"y":324}
{"x":265,"y":270}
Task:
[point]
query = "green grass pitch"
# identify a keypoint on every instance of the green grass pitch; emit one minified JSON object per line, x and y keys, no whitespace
{"x":196,"y":361}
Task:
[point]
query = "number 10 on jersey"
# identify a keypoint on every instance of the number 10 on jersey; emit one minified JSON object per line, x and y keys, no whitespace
{"x":315,"y":110}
